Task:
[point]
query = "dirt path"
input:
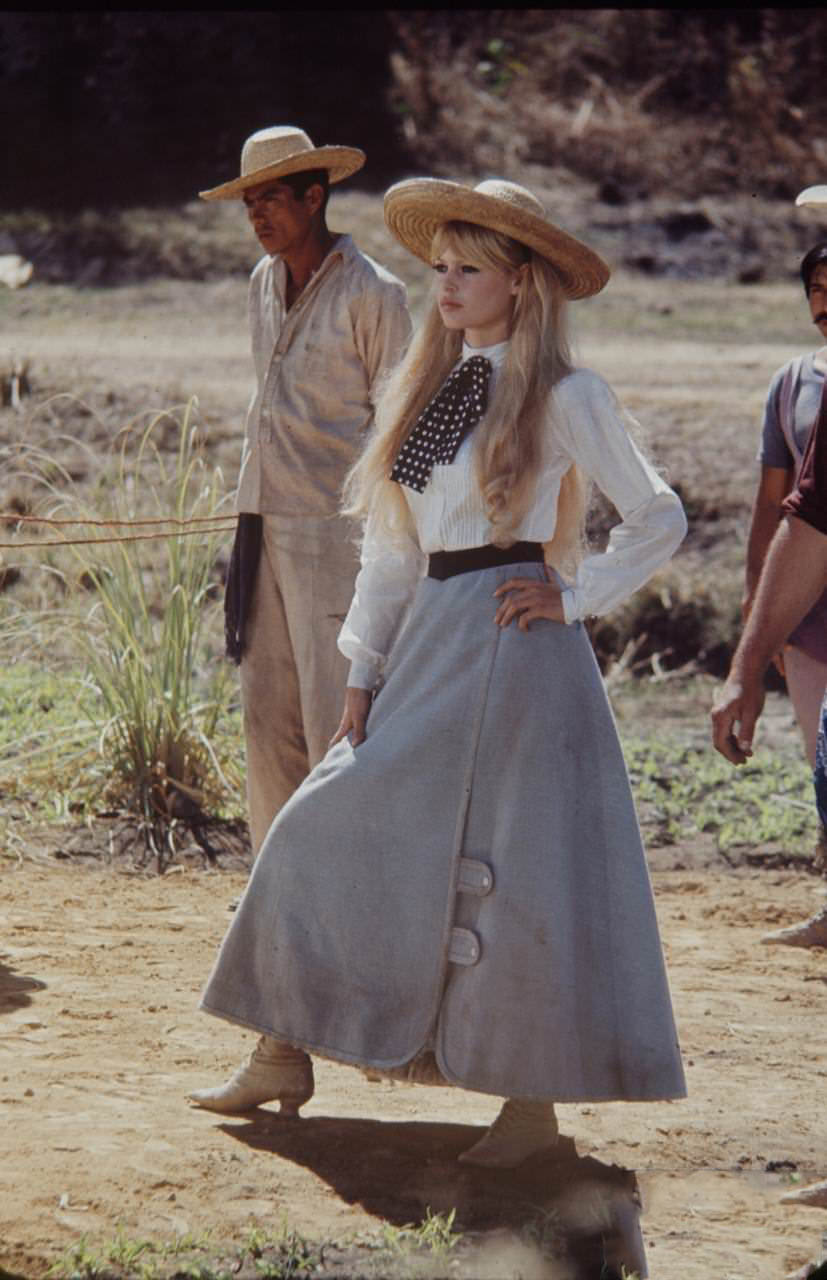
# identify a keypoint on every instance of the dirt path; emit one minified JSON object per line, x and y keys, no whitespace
{"x":100,"y":971}
{"x":100,"y":1040}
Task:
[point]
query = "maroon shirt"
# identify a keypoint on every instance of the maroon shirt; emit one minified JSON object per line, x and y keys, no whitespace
{"x":808,"y":499}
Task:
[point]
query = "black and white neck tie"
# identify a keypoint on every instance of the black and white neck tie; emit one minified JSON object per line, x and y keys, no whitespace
{"x":443,"y":425}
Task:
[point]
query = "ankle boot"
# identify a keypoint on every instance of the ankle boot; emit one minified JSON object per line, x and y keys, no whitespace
{"x":275,"y":1071}
{"x":808,"y":933}
{"x":522,"y":1129}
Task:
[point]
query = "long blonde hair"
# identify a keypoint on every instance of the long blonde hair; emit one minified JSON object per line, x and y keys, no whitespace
{"x":507,"y":442}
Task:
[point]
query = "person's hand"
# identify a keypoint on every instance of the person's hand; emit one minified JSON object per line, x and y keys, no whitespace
{"x":354,"y":717}
{"x":734,"y":714}
{"x":526,"y":599}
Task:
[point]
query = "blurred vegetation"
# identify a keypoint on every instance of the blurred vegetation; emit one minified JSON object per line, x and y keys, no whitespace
{"x":196,"y":241}
{"x":109,"y":108}
{"x":638,"y":101}
{"x":143,"y":107}
{"x":675,"y":139}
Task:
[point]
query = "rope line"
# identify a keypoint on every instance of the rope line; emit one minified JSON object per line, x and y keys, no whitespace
{"x":11,"y":516}
{"x":183,"y":529}
{"x":134,"y":537}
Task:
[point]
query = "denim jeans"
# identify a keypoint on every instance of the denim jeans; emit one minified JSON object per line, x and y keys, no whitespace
{"x":820,"y":771}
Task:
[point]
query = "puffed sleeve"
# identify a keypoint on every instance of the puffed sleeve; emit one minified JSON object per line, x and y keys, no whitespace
{"x":392,"y":565}
{"x":587,"y":422}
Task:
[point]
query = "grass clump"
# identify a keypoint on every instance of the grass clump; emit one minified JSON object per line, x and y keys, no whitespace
{"x":683,"y":790}
{"x":283,"y":1255}
{"x":435,"y":1235}
{"x":152,"y":731}
{"x":146,"y":656}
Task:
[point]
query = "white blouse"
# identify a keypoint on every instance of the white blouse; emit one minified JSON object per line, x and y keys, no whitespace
{"x":584,"y":426}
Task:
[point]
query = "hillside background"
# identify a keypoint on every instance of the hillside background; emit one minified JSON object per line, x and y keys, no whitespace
{"x":676,"y":137}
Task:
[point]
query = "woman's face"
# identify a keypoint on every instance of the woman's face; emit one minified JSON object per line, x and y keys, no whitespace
{"x":478,"y":300}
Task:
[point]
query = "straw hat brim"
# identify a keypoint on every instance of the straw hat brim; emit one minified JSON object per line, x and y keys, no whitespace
{"x":812,"y":196}
{"x":340,"y":163}
{"x":416,"y":208}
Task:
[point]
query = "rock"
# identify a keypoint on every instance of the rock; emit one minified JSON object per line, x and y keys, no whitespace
{"x":14,"y":270}
{"x":679,"y":223}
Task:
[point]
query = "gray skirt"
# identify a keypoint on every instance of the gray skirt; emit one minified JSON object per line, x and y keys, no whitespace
{"x":470,"y":879}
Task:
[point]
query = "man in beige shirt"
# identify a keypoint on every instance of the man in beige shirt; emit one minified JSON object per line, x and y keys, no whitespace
{"x":326,"y":321}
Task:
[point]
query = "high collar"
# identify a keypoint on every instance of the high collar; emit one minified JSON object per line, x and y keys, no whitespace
{"x":496,"y":353}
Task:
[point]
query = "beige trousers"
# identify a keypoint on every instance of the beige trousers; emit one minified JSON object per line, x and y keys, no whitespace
{"x":292,"y":673}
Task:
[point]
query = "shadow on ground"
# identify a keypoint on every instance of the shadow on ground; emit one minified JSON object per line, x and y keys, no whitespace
{"x":567,"y":1207}
{"x":15,"y":988}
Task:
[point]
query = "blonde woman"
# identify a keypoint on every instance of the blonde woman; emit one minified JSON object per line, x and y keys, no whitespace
{"x":458,"y":893}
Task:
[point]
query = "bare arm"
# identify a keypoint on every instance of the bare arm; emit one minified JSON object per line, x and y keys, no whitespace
{"x":794,"y":576}
{"x":773,"y":487}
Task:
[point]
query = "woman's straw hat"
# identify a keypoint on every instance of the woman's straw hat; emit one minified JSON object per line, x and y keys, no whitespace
{"x":279,"y":151}
{"x":812,"y":196}
{"x":416,"y":208}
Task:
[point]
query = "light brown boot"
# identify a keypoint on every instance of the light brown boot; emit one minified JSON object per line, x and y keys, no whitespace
{"x":275,"y":1071}
{"x":809,"y":933}
{"x":522,"y":1129}
{"x":815,"y":1194}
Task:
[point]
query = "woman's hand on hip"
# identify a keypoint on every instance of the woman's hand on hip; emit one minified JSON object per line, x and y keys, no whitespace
{"x":526,"y":599}
{"x":354,"y":717}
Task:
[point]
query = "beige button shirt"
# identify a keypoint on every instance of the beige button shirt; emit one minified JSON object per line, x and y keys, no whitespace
{"x":316,"y":367}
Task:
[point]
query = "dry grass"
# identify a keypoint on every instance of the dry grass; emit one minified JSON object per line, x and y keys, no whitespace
{"x":639,"y":101}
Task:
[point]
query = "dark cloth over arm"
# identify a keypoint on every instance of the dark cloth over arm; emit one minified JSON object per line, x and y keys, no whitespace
{"x":241,"y":581}
{"x":808,"y":499}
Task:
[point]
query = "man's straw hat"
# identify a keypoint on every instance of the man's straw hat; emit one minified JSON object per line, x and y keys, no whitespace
{"x":812,"y":196}
{"x":416,"y":208}
{"x":282,"y":150}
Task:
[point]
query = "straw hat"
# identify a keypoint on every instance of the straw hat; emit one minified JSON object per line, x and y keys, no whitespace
{"x":415,"y":208}
{"x":812,"y":196}
{"x":279,"y":151}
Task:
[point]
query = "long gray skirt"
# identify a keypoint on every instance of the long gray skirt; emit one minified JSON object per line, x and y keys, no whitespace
{"x":470,"y":879}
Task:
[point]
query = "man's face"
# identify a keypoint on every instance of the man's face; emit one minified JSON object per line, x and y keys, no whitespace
{"x":817,"y":297}
{"x":280,"y":220}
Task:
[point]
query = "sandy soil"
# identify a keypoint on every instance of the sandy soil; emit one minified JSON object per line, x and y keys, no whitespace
{"x":100,"y":1040}
{"x":100,"y":970}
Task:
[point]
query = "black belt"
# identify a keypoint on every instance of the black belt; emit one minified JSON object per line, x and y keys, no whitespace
{"x":446,"y":564}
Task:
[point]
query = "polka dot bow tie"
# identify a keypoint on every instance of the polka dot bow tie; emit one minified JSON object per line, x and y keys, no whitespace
{"x":443,"y":425}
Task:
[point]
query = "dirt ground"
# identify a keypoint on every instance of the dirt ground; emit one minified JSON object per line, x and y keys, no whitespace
{"x":100,"y":1040}
{"x":100,"y":970}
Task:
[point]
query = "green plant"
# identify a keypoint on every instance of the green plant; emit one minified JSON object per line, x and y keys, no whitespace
{"x":79,"y":1260}
{"x":125,"y":1258}
{"x":144,"y":651}
{"x":152,"y":738}
{"x":680,"y":790}
{"x":435,"y":1234}
{"x":119,"y":1256}
{"x":294,"y":1256}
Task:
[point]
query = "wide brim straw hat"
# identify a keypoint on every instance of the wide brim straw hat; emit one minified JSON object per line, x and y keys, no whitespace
{"x":279,"y":151}
{"x":812,"y":196}
{"x":414,"y":209}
